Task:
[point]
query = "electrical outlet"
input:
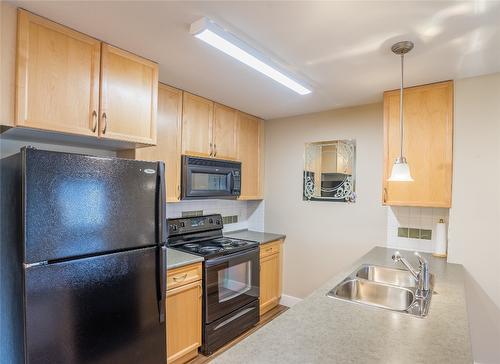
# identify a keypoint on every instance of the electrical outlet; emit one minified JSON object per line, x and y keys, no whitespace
{"x":193,"y":213}
{"x":230,"y":219}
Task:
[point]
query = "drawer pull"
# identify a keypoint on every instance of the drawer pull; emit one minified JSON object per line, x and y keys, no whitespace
{"x":180,"y":278}
{"x":239,"y":314}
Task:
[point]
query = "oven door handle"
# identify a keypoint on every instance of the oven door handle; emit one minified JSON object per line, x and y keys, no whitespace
{"x":226,"y":258}
{"x":238,"y":315}
{"x":231,"y":181}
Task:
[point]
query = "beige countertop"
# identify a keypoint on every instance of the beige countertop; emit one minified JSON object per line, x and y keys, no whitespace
{"x":259,"y":236}
{"x":176,"y":258}
{"x":321,"y":329}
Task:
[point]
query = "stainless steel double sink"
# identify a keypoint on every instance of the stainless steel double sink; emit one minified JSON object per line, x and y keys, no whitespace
{"x":388,"y":288}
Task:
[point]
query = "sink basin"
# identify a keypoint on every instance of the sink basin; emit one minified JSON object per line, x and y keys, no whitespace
{"x":368,"y":292}
{"x":394,"y":276}
{"x":384,"y":287}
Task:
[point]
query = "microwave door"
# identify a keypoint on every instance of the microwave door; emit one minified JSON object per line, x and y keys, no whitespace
{"x":207,"y":182}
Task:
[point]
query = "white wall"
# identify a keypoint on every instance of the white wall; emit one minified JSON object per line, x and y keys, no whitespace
{"x":323,"y":237}
{"x":474,"y":236}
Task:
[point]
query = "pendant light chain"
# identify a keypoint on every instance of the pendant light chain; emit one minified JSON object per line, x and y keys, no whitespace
{"x":401,"y":125}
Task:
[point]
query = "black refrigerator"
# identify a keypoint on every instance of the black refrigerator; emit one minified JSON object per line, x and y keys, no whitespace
{"x":83,"y":259}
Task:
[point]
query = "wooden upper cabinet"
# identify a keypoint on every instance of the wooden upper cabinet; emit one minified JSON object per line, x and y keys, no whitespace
{"x":168,"y":147}
{"x":129,"y":87}
{"x":225,"y":132}
{"x":197,"y":118}
{"x":428,"y":121}
{"x":57,"y":77}
{"x":250,"y":154}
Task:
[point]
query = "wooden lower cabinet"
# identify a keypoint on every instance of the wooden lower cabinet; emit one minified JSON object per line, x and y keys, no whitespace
{"x":184,"y":305}
{"x":271,"y":266}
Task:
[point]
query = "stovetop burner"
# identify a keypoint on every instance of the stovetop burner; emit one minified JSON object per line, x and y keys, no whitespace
{"x":217,"y":246}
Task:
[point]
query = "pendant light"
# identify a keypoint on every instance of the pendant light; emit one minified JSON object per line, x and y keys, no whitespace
{"x":400,"y":169}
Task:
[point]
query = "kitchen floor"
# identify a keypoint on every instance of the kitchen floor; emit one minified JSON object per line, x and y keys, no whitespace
{"x":266,"y":318}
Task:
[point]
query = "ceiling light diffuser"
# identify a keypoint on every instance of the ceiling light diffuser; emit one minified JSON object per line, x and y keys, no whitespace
{"x":209,"y":32}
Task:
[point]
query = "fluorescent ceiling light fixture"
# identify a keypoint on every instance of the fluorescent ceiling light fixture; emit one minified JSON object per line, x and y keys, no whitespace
{"x":217,"y":37}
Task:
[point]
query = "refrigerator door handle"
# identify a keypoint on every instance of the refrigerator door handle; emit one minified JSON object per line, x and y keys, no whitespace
{"x":163,"y":282}
{"x":161,"y":241}
{"x":161,"y":205}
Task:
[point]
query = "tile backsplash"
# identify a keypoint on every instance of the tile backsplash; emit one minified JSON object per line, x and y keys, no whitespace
{"x":237,"y":214}
{"x":416,"y":224}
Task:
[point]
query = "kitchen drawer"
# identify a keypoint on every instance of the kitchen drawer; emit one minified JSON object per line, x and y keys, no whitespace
{"x":183,"y":275}
{"x":270,"y":248}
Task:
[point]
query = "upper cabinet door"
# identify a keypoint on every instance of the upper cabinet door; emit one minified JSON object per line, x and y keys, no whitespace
{"x":197,"y":118}
{"x":225,"y":132}
{"x":428,"y":122}
{"x":168,"y":148}
{"x":57,"y":85}
{"x":129,"y":93}
{"x":250,"y":153}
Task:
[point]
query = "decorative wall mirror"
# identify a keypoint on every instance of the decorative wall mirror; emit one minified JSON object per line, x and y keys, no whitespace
{"x":329,"y":171}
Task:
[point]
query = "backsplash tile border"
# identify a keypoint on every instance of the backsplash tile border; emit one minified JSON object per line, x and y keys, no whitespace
{"x":422,"y":218}
{"x":249,"y":214}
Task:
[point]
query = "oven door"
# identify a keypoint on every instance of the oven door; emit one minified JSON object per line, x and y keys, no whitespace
{"x":231,"y":282}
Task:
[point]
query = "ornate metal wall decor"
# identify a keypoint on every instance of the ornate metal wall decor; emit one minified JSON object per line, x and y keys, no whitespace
{"x":329,"y":171}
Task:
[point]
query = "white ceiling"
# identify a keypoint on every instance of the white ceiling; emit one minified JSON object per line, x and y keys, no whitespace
{"x":341,"y":49}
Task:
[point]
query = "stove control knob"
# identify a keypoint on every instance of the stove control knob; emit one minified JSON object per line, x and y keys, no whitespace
{"x":217,"y":222}
{"x":210,"y":221}
{"x":173,"y":227}
{"x":183,"y":224}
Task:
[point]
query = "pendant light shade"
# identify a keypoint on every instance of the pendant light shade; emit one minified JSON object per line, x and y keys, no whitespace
{"x":401,"y":169}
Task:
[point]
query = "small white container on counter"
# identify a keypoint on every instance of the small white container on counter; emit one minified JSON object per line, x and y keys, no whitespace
{"x":441,"y":240}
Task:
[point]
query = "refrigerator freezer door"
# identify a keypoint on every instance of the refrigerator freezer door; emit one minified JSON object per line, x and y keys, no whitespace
{"x":100,"y":309}
{"x":76,"y":205}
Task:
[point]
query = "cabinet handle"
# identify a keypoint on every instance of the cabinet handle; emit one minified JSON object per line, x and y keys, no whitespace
{"x":201,"y":292}
{"x":94,"y":118}
{"x":269,"y":249}
{"x":211,"y":149}
{"x":178,"y":192}
{"x":105,"y":119}
{"x":180,"y":278}
{"x":215,"y":150}
{"x":385,"y":195}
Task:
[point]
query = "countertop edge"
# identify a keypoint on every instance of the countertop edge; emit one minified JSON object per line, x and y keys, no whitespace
{"x":177,"y":259}
{"x":315,"y":317}
{"x":261,"y":237}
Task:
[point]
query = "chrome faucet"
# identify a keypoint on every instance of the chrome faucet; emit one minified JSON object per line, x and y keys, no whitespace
{"x":422,"y":275}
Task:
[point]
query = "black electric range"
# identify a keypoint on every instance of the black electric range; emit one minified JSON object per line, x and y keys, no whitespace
{"x":231,"y":282}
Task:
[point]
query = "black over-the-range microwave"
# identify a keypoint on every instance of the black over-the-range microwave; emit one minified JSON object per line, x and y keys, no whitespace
{"x":210,"y":178}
